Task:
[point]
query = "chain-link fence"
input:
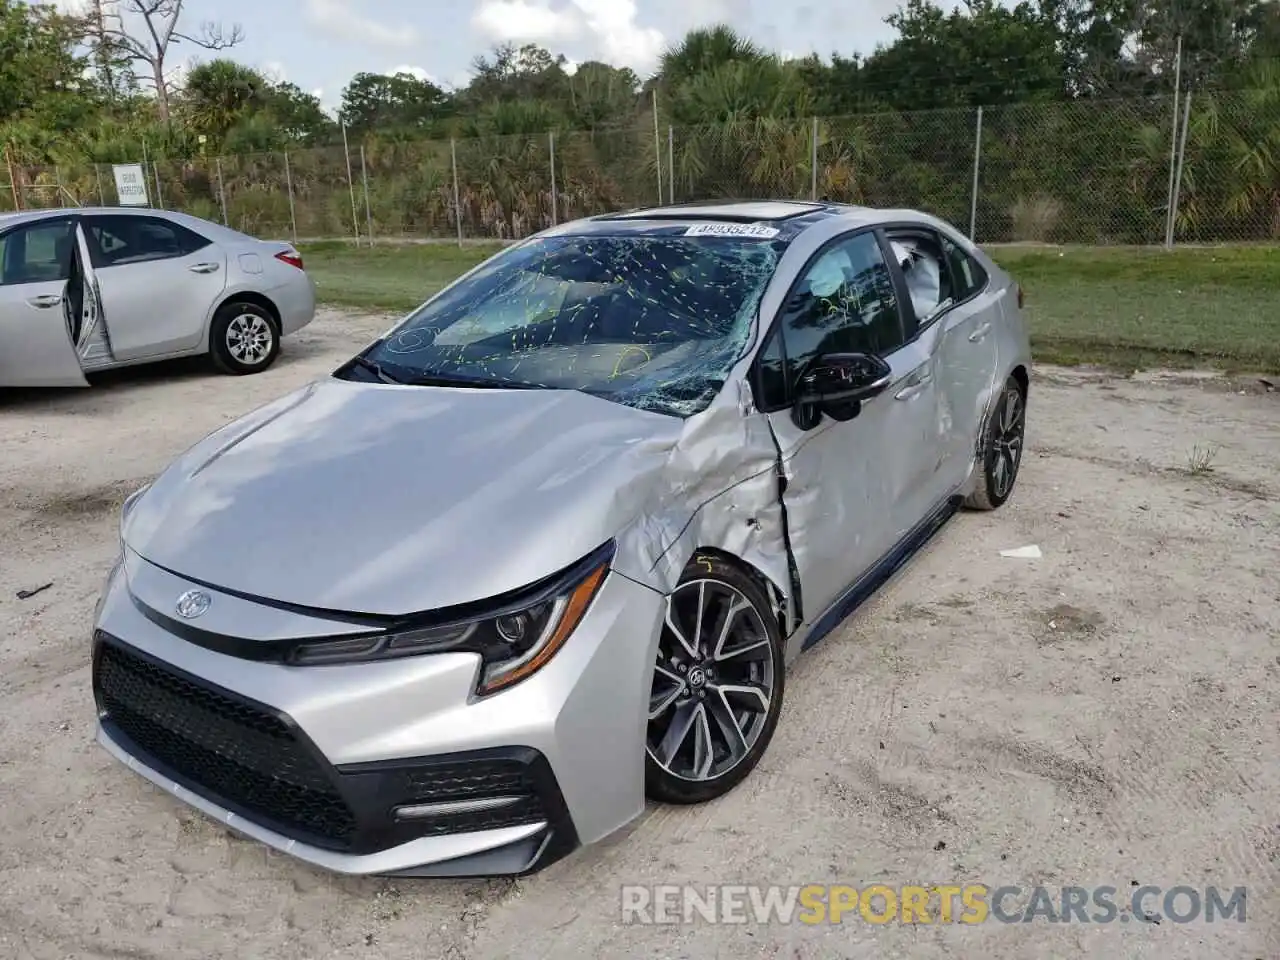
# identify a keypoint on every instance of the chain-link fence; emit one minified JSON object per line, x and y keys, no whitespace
{"x":1087,"y":172}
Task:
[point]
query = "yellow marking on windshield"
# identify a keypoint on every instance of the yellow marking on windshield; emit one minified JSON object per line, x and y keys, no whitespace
{"x":622,"y":354}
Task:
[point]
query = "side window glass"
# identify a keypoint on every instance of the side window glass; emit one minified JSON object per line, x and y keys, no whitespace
{"x":124,"y":240}
{"x":772,"y":381}
{"x":188,"y":240}
{"x":970,"y":278}
{"x":844,"y":303}
{"x":925,"y":270}
{"x":40,"y":253}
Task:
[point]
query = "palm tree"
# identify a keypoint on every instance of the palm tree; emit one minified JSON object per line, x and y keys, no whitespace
{"x":704,"y":50}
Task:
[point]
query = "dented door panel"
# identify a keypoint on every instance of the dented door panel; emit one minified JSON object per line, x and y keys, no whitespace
{"x":838,"y":498}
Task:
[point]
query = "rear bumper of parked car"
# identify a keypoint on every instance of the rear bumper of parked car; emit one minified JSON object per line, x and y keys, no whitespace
{"x":296,"y":302}
{"x":391,"y":768}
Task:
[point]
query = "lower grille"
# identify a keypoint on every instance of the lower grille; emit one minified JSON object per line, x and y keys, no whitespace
{"x":463,"y":780}
{"x":236,"y":753}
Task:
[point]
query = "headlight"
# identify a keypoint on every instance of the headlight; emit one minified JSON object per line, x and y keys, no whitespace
{"x":515,"y":637}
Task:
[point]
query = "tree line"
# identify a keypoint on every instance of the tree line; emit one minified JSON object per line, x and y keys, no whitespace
{"x":1077,"y":95}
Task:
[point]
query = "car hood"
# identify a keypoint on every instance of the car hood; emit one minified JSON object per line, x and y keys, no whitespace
{"x":388,"y":500}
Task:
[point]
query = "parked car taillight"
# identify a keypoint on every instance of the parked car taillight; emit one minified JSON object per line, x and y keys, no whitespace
{"x":292,"y":259}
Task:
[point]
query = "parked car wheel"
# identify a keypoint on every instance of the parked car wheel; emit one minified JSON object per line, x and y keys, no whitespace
{"x":1002,"y":448}
{"x":717,"y":684}
{"x":244,"y":338}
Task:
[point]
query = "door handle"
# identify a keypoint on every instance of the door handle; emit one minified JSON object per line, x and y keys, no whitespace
{"x":45,"y":301}
{"x":914,"y":388}
{"x":981,"y":332}
{"x":203,"y":268}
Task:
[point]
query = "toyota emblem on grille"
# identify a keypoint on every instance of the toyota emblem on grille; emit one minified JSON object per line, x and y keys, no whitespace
{"x":192,"y":604}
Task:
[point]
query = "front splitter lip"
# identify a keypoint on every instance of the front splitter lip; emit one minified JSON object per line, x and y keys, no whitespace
{"x":407,"y":857}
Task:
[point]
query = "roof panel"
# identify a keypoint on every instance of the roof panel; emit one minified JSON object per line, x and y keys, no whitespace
{"x":746,"y":210}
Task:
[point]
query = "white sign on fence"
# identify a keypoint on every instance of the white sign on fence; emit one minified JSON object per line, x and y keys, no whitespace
{"x":131,"y":184}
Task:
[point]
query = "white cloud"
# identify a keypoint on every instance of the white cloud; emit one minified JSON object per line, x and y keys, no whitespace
{"x":619,"y":38}
{"x":340,"y":19}
{"x":608,"y":29}
{"x":524,"y":21}
{"x":274,"y":70}
{"x":413,"y":71}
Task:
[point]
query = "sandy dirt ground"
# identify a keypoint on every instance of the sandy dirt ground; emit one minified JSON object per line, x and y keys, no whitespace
{"x":1104,"y":715}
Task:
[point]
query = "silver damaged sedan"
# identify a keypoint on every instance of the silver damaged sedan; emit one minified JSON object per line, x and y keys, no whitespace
{"x":87,"y":290}
{"x":548,"y":546}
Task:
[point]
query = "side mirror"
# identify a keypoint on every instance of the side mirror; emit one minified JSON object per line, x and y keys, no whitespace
{"x":836,"y":384}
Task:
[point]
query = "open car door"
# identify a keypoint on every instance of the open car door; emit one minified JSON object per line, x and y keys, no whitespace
{"x":38,"y":305}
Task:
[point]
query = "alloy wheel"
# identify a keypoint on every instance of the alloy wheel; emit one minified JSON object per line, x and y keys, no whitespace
{"x":249,"y":338}
{"x":713,"y":682}
{"x":1006,"y":443}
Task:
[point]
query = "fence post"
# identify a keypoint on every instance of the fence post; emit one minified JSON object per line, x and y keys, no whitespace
{"x":457,"y":198}
{"x":1173,"y":149}
{"x":555,"y":200}
{"x":222,"y":191}
{"x":657,"y":150}
{"x":671,"y":164}
{"x":288,"y":185}
{"x":97,"y":175}
{"x":813,"y":160}
{"x":1177,"y":183}
{"x":977,"y":169}
{"x":368,"y":211}
{"x":351,"y":187}
{"x":13,"y":178}
{"x":155,"y":168}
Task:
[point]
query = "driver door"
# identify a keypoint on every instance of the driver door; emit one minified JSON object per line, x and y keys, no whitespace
{"x":38,"y":305}
{"x":844,"y":478}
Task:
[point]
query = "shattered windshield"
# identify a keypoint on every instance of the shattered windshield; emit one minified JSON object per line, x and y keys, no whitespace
{"x":654,"y":322}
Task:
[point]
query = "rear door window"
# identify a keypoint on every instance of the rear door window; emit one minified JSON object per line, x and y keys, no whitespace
{"x":120,"y":240}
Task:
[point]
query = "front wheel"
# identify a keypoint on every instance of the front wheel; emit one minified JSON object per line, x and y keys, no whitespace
{"x":1002,"y":448}
{"x":717,"y":684}
{"x":243,"y":339}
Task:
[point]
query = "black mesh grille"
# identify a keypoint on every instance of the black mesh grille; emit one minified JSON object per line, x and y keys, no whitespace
{"x":237,"y":754}
{"x":473,"y":779}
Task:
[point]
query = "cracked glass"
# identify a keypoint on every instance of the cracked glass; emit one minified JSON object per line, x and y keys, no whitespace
{"x":653,"y":322}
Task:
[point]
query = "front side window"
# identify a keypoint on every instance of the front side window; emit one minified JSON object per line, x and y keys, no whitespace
{"x":844,"y":302}
{"x":39,"y":253}
{"x":654,"y":322}
{"x":121,"y":240}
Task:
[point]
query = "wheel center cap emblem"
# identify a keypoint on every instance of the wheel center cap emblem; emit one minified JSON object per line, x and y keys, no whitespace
{"x":192,"y":604}
{"x":697,"y":678}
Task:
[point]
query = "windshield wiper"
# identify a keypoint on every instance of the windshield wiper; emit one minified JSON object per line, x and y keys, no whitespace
{"x":463,"y":380}
{"x":375,"y":368}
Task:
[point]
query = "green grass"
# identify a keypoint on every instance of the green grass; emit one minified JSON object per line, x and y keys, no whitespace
{"x":1118,"y":307}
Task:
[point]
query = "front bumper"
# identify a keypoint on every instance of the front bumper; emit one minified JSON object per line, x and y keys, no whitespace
{"x":391,"y":768}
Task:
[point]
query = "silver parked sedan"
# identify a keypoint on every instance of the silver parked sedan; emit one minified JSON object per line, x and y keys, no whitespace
{"x":84,"y":290}
{"x":550,"y":544}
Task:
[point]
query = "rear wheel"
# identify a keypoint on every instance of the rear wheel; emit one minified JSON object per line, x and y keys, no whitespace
{"x":1001,"y":448}
{"x":244,"y":338}
{"x":717,"y":685}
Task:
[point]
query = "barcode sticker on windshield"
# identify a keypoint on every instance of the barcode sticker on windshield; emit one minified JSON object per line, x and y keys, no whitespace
{"x":758,"y":230}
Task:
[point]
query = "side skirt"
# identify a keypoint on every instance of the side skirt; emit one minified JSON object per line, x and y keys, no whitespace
{"x":865,"y":586}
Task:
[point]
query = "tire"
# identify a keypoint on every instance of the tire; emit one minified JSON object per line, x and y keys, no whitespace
{"x":1001,"y":448}
{"x":741,"y":689}
{"x":244,"y":338}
